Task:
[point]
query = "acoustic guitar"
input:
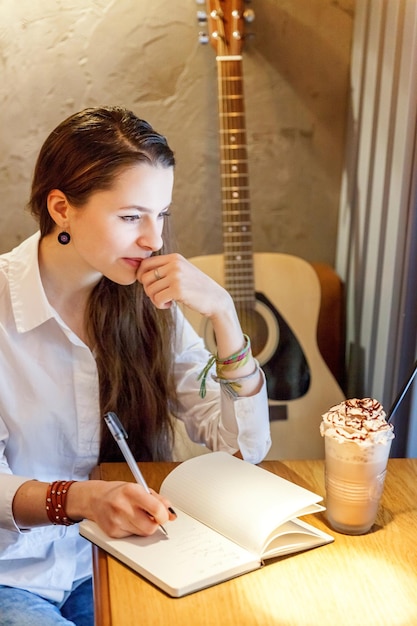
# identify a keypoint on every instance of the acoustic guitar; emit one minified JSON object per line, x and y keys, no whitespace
{"x":277,"y":296}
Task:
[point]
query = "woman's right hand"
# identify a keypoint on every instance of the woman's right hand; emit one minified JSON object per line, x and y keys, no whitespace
{"x":119,"y":508}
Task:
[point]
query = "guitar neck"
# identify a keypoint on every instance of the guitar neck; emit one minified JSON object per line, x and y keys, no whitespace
{"x":236,"y":218}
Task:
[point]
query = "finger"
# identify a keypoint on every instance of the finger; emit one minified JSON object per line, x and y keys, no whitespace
{"x":130,"y":522}
{"x":150,"y":277}
{"x":166,"y":503}
{"x":154,"y":506}
{"x":154,"y":281}
{"x":146,"y":272}
{"x":160,"y":292}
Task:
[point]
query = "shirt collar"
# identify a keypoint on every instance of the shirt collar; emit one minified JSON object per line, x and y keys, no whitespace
{"x":29,"y":302}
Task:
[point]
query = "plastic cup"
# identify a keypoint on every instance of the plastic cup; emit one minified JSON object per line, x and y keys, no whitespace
{"x":354,"y":477}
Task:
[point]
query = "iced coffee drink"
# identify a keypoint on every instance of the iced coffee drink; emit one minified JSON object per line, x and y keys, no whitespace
{"x":357,"y":444}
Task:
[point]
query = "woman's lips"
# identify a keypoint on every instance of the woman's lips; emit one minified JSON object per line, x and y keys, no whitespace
{"x":135,"y":263}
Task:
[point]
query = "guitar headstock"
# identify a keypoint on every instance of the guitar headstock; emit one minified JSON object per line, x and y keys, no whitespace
{"x":226,"y":21}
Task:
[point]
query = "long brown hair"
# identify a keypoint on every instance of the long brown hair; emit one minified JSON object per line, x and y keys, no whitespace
{"x":133,"y":341}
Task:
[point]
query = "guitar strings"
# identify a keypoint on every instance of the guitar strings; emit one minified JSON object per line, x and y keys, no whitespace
{"x":237,"y":234}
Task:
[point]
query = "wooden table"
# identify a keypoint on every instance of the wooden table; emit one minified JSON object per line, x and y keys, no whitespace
{"x":368,"y":580}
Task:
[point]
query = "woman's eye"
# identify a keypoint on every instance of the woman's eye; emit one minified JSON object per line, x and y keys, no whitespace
{"x":165,"y":214}
{"x":130,"y":218}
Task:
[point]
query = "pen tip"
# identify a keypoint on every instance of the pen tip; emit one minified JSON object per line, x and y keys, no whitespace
{"x":163,"y":530}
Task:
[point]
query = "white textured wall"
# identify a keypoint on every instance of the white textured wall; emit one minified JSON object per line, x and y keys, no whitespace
{"x":59,"y":56}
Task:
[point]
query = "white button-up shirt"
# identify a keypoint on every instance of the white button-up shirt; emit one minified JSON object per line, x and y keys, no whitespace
{"x":50,"y":420}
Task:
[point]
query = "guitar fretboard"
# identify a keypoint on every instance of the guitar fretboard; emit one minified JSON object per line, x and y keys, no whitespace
{"x":236,"y":218}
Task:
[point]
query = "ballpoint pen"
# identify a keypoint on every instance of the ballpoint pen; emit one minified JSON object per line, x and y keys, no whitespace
{"x":120,"y":435}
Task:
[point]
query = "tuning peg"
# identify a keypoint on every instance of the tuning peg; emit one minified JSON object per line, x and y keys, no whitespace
{"x":249,"y":15}
{"x":201,"y":17}
{"x":203,"y":38}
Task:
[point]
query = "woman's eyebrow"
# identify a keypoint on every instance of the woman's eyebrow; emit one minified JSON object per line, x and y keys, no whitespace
{"x":143,"y":209}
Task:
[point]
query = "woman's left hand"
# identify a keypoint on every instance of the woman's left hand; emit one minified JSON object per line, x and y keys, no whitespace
{"x":170,"y":277}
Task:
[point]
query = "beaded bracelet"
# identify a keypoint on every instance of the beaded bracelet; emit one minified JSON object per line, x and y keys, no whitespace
{"x":233,"y":362}
{"x":56,"y":497}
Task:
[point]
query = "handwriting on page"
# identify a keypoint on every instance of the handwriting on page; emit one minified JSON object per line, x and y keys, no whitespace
{"x":191,"y":551}
{"x":205,"y":551}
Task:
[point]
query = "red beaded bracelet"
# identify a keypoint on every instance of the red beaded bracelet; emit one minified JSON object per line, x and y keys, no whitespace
{"x":56,"y":497}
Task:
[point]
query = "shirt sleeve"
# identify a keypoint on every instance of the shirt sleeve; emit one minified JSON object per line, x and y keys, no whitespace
{"x":219,"y":421}
{"x":9,"y":484}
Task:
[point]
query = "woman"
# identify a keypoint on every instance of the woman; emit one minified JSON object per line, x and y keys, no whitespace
{"x":89,"y":324}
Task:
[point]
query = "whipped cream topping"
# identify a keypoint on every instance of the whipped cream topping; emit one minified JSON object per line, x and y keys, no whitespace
{"x":360,"y":420}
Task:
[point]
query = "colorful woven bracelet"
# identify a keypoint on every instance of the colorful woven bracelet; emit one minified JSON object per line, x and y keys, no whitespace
{"x":56,"y":497}
{"x":237,"y":356}
{"x":233,"y":362}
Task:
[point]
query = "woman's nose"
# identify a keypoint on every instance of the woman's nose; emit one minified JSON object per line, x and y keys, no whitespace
{"x":151,"y":236}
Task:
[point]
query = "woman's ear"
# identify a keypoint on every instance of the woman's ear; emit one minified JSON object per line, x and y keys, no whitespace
{"x":58,"y":207}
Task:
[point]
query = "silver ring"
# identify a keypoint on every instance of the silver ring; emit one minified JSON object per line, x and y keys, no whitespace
{"x":156,"y":274}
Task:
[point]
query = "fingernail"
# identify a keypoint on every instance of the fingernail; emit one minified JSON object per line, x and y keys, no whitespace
{"x":171,"y":510}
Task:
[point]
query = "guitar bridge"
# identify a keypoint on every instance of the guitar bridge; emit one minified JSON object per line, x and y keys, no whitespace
{"x":278,"y":412}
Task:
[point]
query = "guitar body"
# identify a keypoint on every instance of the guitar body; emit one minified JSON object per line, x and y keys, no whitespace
{"x":291,"y":286}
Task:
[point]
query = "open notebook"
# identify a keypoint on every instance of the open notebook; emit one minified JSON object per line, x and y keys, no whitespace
{"x":231,"y":516}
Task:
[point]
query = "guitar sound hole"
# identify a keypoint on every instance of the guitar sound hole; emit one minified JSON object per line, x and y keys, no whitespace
{"x":254,"y":325}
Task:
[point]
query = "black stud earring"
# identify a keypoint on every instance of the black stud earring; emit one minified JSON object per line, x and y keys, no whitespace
{"x":64,"y":238}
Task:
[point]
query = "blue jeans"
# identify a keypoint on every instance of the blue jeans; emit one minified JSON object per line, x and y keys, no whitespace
{"x":22,"y":608}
